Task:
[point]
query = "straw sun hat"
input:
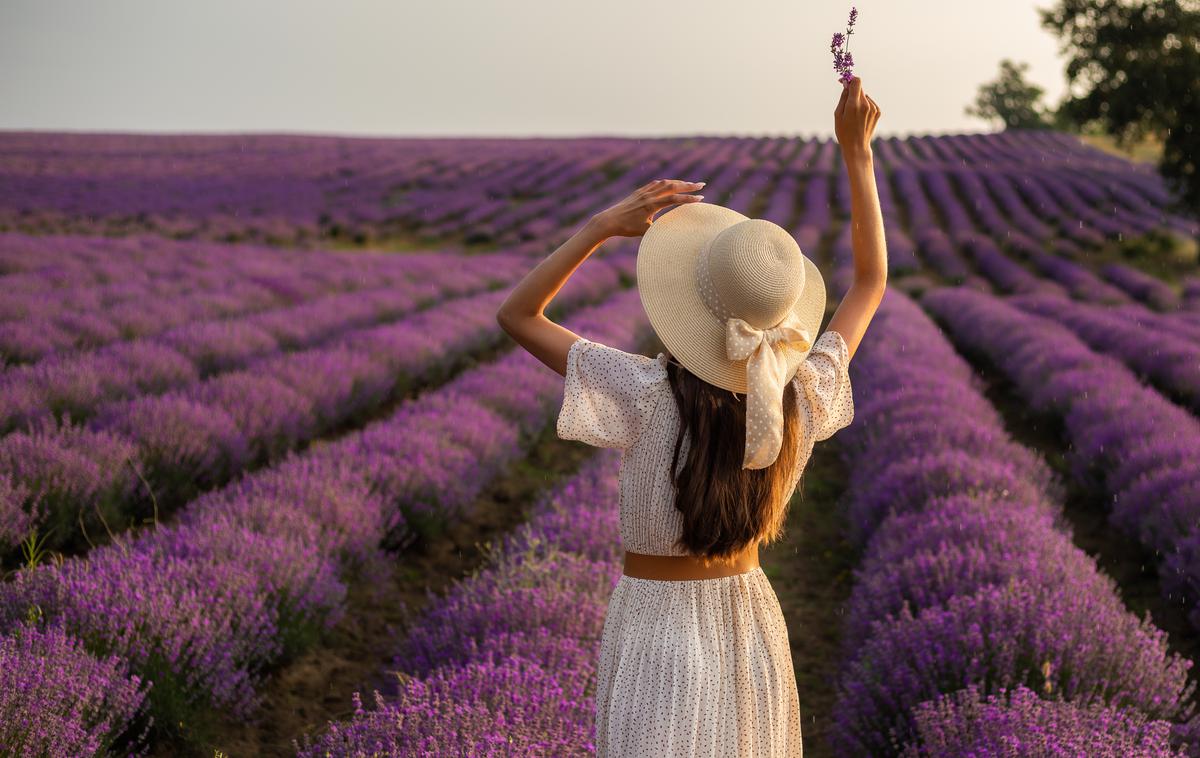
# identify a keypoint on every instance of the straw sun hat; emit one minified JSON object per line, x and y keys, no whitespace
{"x":737,"y":303}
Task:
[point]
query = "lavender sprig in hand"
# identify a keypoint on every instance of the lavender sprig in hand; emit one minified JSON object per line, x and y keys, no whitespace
{"x":843,"y":62}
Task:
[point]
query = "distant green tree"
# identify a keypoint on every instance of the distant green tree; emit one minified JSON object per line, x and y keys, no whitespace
{"x":1137,"y":66}
{"x":1011,"y":99}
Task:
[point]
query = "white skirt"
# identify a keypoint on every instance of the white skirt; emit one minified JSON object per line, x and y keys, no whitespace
{"x":697,"y":668}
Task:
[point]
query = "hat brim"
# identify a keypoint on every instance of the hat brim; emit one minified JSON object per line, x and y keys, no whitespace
{"x":666,"y":281}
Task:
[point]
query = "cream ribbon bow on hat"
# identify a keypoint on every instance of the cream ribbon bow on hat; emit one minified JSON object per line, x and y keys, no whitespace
{"x":765,"y":380}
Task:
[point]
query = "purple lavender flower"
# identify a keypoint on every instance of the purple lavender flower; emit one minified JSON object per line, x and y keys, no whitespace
{"x":843,"y":62}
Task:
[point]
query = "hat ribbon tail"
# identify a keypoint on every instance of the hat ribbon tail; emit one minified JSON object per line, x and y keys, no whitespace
{"x":766,"y":367}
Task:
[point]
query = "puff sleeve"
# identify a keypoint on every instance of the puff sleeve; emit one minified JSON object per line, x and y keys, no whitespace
{"x":608,"y":394}
{"x":825,"y":382}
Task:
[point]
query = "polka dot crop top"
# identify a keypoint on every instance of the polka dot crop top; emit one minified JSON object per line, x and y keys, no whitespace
{"x":616,"y":399}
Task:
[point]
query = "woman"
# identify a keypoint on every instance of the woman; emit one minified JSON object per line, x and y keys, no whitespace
{"x":695,"y":658}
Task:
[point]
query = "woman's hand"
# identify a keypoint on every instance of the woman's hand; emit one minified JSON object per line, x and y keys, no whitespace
{"x":854,"y":119}
{"x":631,"y":217}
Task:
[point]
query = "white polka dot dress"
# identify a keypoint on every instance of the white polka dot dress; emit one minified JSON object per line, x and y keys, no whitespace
{"x":697,"y":668}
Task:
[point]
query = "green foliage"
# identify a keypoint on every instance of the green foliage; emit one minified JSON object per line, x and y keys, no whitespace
{"x":298,"y":632}
{"x":1011,"y":99}
{"x":1159,"y":253}
{"x":613,"y":170}
{"x":1136,"y":66}
{"x":1154,"y":245}
{"x":33,"y":548}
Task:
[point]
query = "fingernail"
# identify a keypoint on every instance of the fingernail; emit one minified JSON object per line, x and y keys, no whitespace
{"x":700,"y":184}
{"x":699,"y":197}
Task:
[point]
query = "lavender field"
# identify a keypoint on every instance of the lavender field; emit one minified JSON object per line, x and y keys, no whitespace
{"x":273,"y":481}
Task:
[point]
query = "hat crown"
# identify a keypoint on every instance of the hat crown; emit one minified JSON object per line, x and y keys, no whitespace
{"x":752,"y":270}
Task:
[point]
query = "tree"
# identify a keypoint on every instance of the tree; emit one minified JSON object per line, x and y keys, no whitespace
{"x":1138,"y":66}
{"x":1011,"y":99}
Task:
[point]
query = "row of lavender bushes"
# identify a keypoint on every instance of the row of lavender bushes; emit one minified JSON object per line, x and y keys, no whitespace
{"x":517,"y":676}
{"x":1069,"y":265}
{"x":62,"y":293}
{"x":311,"y":193}
{"x":1064,"y":270}
{"x":1127,"y":444}
{"x":76,"y":382}
{"x":1160,"y":347}
{"x":1065,"y":265}
{"x":446,"y":207}
{"x":975,"y":626}
{"x":298,"y":190}
{"x":442,"y":205}
{"x":1007,"y":220}
{"x":138,"y":457}
{"x":200,"y":609}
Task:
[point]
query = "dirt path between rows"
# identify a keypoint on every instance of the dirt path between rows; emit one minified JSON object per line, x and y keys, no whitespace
{"x":305,"y":694}
{"x":810,"y":570}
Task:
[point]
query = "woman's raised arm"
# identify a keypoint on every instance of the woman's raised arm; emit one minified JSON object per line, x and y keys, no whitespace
{"x":854,"y":124}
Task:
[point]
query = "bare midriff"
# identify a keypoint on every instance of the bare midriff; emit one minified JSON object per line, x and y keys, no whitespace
{"x":684,"y":567}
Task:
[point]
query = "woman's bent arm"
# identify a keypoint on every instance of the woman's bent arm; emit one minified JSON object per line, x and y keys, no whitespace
{"x":522,"y":314}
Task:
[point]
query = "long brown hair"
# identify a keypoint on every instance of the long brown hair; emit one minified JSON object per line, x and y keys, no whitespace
{"x":725,"y":507}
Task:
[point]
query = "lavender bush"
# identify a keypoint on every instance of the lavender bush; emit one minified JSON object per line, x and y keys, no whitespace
{"x":56,"y":700}
{"x":1020,"y":724}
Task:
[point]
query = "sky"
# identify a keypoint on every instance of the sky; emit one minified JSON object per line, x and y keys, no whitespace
{"x":505,"y":67}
